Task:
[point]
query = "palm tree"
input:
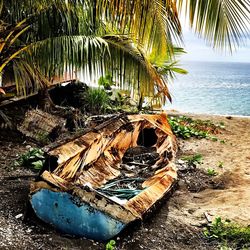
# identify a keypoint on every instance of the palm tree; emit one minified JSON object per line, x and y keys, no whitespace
{"x":89,"y":35}
{"x":135,"y":40}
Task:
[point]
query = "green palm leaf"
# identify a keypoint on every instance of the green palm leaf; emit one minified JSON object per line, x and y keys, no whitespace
{"x":223,"y":23}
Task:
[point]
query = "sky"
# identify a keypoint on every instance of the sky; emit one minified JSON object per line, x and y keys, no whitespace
{"x":197,"y":50}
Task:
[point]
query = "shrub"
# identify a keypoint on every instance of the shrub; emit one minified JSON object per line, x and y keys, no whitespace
{"x":110,"y":245}
{"x":97,"y":100}
{"x":185,"y":127}
{"x":33,"y":159}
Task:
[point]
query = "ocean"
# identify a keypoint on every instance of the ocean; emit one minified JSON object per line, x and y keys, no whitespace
{"x":212,"y":88}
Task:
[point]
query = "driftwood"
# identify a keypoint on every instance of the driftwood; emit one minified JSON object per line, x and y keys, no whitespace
{"x":41,"y":126}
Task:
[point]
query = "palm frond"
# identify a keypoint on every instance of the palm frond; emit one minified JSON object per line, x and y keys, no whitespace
{"x":73,"y":34}
{"x":223,"y":23}
{"x":97,"y":55}
{"x":153,"y":24}
{"x":9,"y":36}
{"x":134,"y":69}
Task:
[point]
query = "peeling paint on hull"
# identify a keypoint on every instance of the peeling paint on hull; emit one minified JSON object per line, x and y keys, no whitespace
{"x":71,"y":216}
{"x":71,"y":192}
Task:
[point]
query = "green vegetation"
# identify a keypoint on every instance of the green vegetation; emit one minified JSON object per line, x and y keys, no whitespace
{"x":220,"y":164}
{"x":185,"y":131}
{"x":95,"y":37}
{"x":111,"y":245}
{"x":106,"y":81}
{"x":121,"y":98}
{"x":185,"y":127}
{"x":33,"y":159}
{"x":97,"y":100}
{"x":193,"y":159}
{"x":43,"y":138}
{"x":222,"y":125}
{"x":211,"y":172}
{"x":229,"y":233}
{"x":213,"y":138}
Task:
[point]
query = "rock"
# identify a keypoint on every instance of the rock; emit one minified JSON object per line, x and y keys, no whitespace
{"x":181,"y":183}
{"x":29,"y":230}
{"x":181,"y":161}
{"x":199,"y":223}
{"x":18,"y":216}
{"x":191,"y":210}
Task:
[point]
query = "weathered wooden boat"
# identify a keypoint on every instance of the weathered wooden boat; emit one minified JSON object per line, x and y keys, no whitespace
{"x":111,"y":175}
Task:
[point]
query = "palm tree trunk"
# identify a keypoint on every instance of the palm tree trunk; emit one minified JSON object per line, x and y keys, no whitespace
{"x":45,"y":102}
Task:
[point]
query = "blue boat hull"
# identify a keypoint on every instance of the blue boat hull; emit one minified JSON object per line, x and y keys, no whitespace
{"x":71,"y":216}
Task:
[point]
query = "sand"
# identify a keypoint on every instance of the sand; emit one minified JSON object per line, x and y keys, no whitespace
{"x":231,"y":199}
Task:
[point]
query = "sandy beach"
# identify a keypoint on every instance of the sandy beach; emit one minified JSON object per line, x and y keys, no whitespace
{"x":230,"y":157}
{"x":176,"y":224}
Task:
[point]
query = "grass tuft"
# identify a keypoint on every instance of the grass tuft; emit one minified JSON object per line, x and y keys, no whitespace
{"x":97,"y":100}
{"x":193,"y":159}
{"x":229,"y":233}
{"x":211,"y":172}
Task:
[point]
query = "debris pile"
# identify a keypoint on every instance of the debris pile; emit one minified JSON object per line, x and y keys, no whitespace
{"x":139,"y":161}
{"x":123,"y":188}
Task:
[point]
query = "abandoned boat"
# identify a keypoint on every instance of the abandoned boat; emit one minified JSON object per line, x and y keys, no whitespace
{"x":96,"y":184}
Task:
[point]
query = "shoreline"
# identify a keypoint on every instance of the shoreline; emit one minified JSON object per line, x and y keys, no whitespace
{"x":177,"y":112}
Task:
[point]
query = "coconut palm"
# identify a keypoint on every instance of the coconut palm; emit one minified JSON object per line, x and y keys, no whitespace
{"x":66,"y":35}
{"x":135,"y":40}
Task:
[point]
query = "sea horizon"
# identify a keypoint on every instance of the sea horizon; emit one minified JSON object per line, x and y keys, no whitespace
{"x":215,"y":88}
